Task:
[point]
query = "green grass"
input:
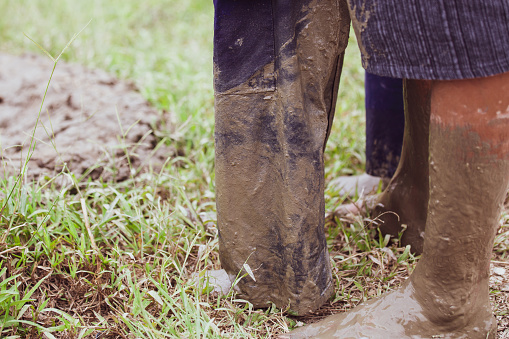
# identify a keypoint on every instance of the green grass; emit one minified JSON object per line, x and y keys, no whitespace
{"x":150,"y":234}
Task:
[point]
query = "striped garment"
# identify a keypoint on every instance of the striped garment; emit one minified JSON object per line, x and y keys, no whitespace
{"x":437,"y":39}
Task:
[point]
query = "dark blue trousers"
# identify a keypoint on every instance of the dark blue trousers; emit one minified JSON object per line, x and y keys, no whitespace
{"x":385,"y":123}
{"x":277,"y":65}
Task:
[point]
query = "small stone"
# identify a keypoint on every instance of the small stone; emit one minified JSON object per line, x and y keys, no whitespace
{"x":499,"y":271}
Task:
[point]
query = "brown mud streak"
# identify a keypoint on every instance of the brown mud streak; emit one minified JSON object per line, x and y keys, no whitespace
{"x":469,"y":144}
{"x":405,"y":199}
{"x":269,"y":164}
{"x":360,"y":18}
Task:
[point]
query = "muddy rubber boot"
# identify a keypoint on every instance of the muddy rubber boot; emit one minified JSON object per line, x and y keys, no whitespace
{"x":277,"y":67}
{"x":447,"y":295}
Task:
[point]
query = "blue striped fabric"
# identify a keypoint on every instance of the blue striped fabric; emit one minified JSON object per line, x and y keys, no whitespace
{"x":433,"y":39}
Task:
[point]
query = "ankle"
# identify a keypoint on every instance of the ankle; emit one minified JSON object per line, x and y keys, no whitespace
{"x":452,"y":305}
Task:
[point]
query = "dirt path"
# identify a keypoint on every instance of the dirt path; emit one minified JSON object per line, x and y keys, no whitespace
{"x":89,"y":120}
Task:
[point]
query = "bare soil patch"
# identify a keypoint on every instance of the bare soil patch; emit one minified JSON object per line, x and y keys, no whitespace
{"x":91,"y":122}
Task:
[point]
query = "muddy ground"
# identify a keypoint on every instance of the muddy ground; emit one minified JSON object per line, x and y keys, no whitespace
{"x":91,"y":122}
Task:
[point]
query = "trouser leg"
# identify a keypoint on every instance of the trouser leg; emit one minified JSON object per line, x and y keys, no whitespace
{"x":385,"y":124}
{"x":275,"y":99}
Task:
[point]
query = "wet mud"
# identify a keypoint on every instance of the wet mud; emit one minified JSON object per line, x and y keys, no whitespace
{"x":398,"y":314}
{"x":402,"y":207}
{"x":92,"y":122}
{"x":270,"y":138}
{"x":469,"y":166}
{"x":447,"y":295}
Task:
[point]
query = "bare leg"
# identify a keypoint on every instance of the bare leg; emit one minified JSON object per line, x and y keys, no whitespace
{"x":447,"y":295}
{"x":405,"y":199}
{"x":406,"y":196}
